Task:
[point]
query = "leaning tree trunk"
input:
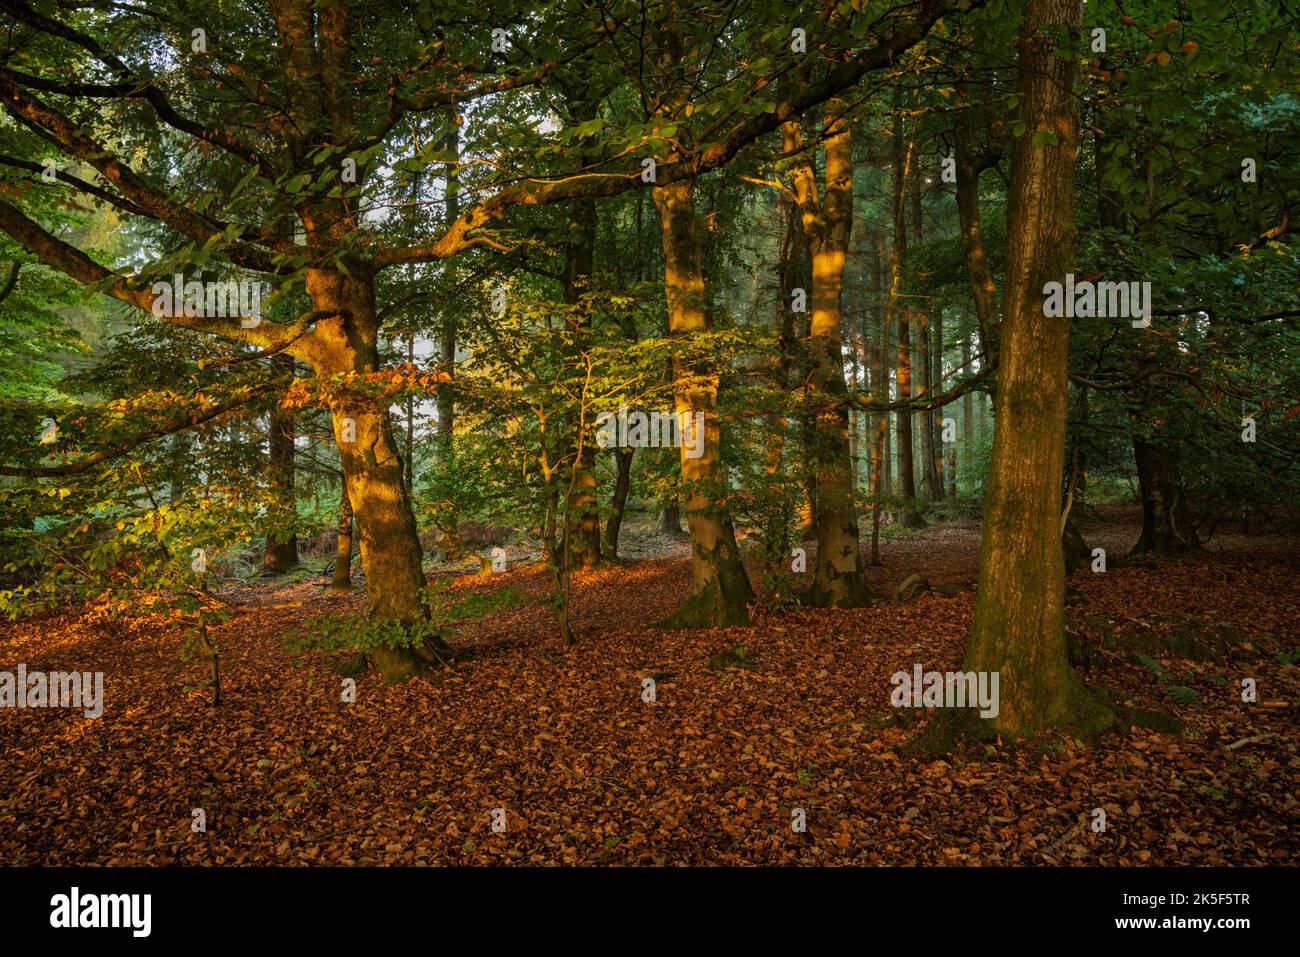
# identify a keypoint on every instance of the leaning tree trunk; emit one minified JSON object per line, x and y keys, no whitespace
{"x":372,"y":469}
{"x":1019,"y":628}
{"x":622,"y":482}
{"x":720,"y":591}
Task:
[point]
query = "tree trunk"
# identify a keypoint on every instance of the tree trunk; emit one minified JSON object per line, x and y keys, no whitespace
{"x":623,"y":481}
{"x":720,"y":591}
{"x":1019,"y":612}
{"x":281,"y":552}
{"x":584,"y":538}
{"x":1166,"y":519}
{"x":967,"y":412}
{"x":670,"y":522}
{"x":838,"y":578}
{"x":903,"y":417}
{"x":935,"y":417}
{"x":372,"y":468}
{"x":343,"y":550}
{"x":982,"y":286}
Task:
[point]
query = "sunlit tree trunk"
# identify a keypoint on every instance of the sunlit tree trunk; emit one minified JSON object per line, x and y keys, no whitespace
{"x":1019,"y":613}
{"x":372,"y":469}
{"x":828,"y":220}
{"x":343,"y":550}
{"x":720,"y":591}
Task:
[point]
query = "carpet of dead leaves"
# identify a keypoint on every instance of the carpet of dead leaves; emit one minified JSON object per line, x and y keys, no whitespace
{"x":589,"y":773}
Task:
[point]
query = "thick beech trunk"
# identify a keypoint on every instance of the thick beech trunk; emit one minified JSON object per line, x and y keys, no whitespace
{"x":720,"y":591}
{"x":372,"y":468}
{"x":1019,"y":613}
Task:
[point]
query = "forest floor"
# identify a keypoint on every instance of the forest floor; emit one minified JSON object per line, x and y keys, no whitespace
{"x":712,"y":770}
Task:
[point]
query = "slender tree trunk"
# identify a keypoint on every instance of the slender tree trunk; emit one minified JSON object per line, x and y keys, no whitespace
{"x":343,"y":551}
{"x":622,"y":482}
{"x":1074,"y":546}
{"x":982,"y":286}
{"x":584,"y":540}
{"x":446,"y":403}
{"x":903,"y":417}
{"x":936,"y":415}
{"x":720,"y":591}
{"x":1019,"y":628}
{"x":281,"y":552}
{"x":967,"y":411}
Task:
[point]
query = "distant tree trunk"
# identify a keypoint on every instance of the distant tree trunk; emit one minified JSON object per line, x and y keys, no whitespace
{"x":903,"y":417}
{"x":936,"y":415}
{"x":584,"y":539}
{"x":1075,"y":547}
{"x":343,"y":551}
{"x":408,"y":460}
{"x":670,"y":521}
{"x":281,"y":553}
{"x":985,"y":291}
{"x":446,"y":403}
{"x":967,"y":412}
{"x":1019,"y":628}
{"x":720,"y":591}
{"x":1166,"y":519}
{"x":925,"y":371}
{"x":880,"y":484}
{"x":623,"y":481}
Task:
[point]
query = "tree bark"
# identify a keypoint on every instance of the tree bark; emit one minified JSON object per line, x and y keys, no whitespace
{"x":1019,"y":612}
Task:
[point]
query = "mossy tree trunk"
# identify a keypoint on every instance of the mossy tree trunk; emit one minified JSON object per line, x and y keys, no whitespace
{"x":372,"y":469}
{"x":1019,"y":613}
